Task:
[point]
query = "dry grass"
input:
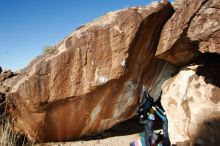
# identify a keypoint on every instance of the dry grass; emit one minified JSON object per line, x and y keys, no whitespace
{"x":10,"y":138}
{"x":7,"y":137}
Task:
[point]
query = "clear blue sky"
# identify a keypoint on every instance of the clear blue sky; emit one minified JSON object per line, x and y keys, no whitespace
{"x":28,"y":25}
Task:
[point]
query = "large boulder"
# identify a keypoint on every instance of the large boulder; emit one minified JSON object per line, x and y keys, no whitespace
{"x":93,"y":78}
{"x":191,"y":100}
{"x":194,"y":28}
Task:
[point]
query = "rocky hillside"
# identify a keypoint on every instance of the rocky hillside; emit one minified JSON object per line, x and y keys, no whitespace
{"x":94,"y":78}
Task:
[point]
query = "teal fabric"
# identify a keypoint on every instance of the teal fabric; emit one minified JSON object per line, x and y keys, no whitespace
{"x":141,"y":135}
{"x":160,"y":113}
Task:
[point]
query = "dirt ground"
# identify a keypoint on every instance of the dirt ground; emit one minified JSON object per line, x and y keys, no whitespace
{"x":111,"y":141}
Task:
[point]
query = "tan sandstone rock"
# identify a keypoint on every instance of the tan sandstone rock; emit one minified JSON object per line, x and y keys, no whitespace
{"x":205,"y":27}
{"x":93,"y":78}
{"x":193,"y":106}
{"x":6,"y":77}
{"x":194,"y":26}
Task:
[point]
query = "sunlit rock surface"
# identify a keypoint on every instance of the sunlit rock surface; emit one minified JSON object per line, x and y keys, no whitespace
{"x":93,"y":78}
{"x":192,"y":103}
{"x":194,"y":27}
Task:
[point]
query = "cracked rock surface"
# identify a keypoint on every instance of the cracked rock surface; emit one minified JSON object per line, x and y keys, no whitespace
{"x":192,"y":106}
{"x":92,"y":80}
{"x":195,"y":26}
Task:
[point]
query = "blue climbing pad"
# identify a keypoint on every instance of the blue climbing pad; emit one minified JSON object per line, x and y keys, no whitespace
{"x":138,"y":142}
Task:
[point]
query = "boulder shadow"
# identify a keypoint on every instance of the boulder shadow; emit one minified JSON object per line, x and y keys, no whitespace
{"x":128,"y":127}
{"x":209,"y":133}
{"x":209,"y":67}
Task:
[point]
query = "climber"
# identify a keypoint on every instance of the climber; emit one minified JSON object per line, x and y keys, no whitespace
{"x":147,"y":116}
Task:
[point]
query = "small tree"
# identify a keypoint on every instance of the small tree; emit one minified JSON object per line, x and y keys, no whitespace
{"x":48,"y":49}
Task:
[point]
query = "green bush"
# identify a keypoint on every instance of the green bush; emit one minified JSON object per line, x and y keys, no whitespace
{"x":48,"y":49}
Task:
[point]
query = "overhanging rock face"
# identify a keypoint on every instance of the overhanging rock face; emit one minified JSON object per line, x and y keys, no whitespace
{"x":193,"y":28}
{"x":93,"y":78}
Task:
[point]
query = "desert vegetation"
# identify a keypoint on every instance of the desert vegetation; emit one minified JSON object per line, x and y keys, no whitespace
{"x":47,"y":49}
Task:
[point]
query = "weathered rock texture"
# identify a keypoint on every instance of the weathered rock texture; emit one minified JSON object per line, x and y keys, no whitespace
{"x":192,"y":102}
{"x":6,"y":78}
{"x":194,"y":26}
{"x":93,"y":78}
{"x":5,"y":75}
{"x":191,"y":98}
